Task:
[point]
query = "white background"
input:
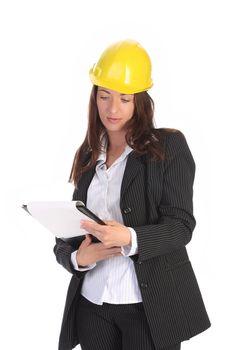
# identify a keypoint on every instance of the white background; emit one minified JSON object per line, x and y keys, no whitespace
{"x":47,"y":48}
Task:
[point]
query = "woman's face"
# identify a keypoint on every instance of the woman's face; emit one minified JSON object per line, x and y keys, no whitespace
{"x":115,"y":109}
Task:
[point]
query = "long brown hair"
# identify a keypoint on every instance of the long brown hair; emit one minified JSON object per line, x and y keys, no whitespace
{"x":141,"y":134}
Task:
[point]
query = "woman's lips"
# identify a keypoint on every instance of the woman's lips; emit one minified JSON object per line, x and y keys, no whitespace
{"x":113,"y":120}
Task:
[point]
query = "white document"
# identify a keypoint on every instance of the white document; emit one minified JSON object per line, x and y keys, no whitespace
{"x":61,"y":218}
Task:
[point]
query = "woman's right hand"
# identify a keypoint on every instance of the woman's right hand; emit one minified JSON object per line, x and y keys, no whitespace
{"x":89,"y":253}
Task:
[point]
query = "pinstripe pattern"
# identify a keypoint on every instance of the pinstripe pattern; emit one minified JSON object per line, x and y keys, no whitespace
{"x":159,"y":195}
{"x":119,"y":327}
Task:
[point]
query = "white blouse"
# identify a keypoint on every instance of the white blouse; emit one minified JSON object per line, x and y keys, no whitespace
{"x":112,"y":280}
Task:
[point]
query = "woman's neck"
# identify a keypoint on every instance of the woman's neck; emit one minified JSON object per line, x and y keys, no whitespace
{"x":116,"y":141}
{"x":116,"y":147}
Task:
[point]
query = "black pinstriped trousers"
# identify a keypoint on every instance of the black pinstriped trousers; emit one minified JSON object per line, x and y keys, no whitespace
{"x":114,"y":327}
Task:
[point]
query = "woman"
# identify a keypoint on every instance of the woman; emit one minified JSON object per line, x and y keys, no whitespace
{"x":135,"y":288}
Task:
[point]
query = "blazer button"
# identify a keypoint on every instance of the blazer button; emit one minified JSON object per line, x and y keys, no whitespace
{"x":140,"y":262}
{"x":144,"y":285}
{"x":127,"y":210}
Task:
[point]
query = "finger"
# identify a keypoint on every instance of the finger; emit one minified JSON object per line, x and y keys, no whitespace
{"x":88,"y":238}
{"x":87,"y":241}
{"x":91,"y":226}
{"x":113,"y":255}
{"x":113,"y":251}
{"x":112,"y":223}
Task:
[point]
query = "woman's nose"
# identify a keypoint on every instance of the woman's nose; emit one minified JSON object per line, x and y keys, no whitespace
{"x":113,"y":106}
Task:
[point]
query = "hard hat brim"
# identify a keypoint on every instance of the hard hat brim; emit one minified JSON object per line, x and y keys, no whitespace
{"x":116,"y":86}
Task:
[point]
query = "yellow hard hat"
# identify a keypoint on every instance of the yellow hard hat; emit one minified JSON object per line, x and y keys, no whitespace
{"x":124,"y":66}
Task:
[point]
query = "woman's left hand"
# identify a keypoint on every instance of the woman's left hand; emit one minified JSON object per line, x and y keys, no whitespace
{"x":113,"y":234}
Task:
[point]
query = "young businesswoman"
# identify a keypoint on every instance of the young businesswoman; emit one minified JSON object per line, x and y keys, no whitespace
{"x":135,"y":289}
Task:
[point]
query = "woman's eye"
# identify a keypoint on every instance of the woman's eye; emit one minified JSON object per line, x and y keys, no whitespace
{"x":104,"y":97}
{"x":124,"y":100}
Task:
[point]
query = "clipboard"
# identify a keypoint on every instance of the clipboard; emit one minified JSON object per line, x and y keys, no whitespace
{"x":62,"y":218}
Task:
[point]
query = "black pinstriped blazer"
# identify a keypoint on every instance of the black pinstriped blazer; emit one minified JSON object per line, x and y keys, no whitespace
{"x":156,"y":200}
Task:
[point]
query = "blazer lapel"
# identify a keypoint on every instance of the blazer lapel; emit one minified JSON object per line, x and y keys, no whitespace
{"x":133,"y":166}
{"x":84,"y":184}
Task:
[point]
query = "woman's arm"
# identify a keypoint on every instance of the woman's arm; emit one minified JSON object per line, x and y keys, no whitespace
{"x":63,"y":251}
{"x":176,"y":221}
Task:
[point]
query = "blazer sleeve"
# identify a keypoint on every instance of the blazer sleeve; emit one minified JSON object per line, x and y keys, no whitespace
{"x":176,"y":221}
{"x":63,"y":251}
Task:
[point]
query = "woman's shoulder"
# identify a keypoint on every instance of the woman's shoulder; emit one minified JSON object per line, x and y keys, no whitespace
{"x":161,"y":142}
{"x":170,"y":135}
{"x":173,"y":141}
{"x":169,"y":132}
